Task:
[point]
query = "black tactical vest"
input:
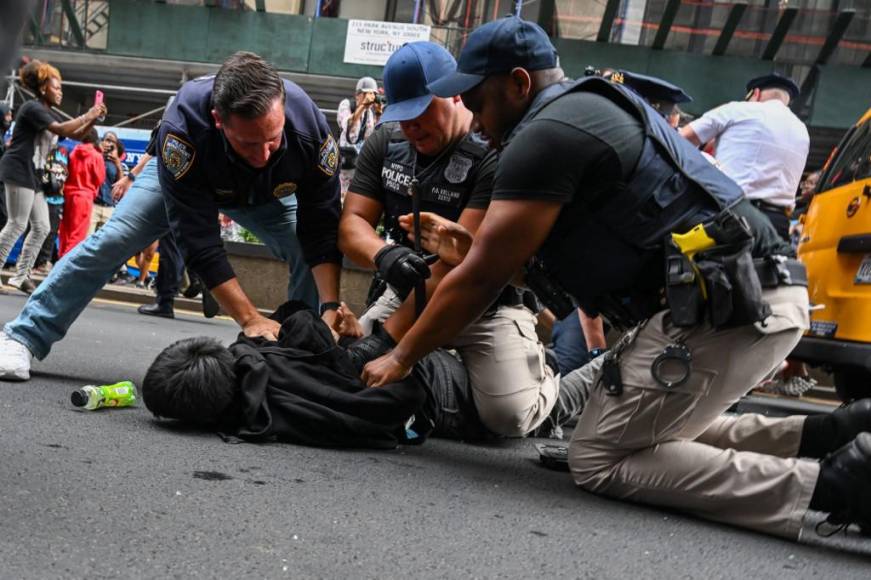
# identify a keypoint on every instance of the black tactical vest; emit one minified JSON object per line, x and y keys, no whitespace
{"x":445,"y":185}
{"x":608,"y":252}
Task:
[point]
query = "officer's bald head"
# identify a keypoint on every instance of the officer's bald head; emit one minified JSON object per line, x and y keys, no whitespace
{"x":246,"y":86}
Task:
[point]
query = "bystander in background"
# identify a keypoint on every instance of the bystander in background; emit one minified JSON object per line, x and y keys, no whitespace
{"x":22,"y":168}
{"x":113,"y":157}
{"x":355,"y":125}
{"x":86,"y":174}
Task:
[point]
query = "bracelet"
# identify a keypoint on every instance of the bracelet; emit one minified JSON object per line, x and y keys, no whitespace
{"x":328,"y":306}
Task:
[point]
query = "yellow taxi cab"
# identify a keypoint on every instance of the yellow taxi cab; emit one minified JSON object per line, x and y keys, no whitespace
{"x":835,"y":245}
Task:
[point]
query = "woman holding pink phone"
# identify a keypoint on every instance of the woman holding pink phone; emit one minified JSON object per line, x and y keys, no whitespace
{"x":34,"y":137}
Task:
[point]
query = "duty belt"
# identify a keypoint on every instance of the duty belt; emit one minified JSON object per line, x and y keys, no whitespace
{"x":765,"y":206}
{"x":777,"y":271}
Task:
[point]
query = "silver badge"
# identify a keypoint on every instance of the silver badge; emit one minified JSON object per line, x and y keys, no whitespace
{"x":458,"y":168}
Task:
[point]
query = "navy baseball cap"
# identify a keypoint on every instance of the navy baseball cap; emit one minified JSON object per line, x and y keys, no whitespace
{"x":406,"y":75}
{"x":774,"y":81}
{"x":497,"y":47}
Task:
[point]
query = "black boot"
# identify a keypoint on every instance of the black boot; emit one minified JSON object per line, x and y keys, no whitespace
{"x":210,"y":305}
{"x":370,"y":347}
{"x":842,"y":487}
{"x":163,"y":309}
{"x":194,"y":287}
{"x":823,"y":434}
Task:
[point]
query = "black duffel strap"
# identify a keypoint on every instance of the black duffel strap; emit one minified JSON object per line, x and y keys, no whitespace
{"x":777,"y":271}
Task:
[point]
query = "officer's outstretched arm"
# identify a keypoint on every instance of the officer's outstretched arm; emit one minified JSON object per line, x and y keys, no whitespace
{"x":510,"y":233}
{"x":401,"y":320}
{"x":357,"y":236}
{"x":236,"y":303}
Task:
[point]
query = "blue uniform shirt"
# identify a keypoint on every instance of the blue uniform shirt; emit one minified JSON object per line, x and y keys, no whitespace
{"x":200,"y":173}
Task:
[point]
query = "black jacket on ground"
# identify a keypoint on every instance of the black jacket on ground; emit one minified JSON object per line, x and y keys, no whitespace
{"x":304,"y":389}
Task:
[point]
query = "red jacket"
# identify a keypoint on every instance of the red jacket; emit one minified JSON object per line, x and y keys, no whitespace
{"x":87,"y":171}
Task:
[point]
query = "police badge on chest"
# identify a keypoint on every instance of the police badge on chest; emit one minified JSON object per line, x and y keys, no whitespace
{"x":458,"y":168}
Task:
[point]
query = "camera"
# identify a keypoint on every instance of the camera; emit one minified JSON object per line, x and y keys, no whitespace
{"x":380,"y":100}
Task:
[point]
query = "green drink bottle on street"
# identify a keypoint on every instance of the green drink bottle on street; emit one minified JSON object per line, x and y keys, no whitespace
{"x":92,"y":397}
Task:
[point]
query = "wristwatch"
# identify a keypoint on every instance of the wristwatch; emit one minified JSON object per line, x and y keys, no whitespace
{"x":597,"y":352}
{"x":328,"y":306}
{"x":130,"y":176}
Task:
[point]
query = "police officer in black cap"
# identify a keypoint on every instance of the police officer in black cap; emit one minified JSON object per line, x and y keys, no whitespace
{"x":759,"y":143}
{"x":662,"y":95}
{"x":629,"y":219}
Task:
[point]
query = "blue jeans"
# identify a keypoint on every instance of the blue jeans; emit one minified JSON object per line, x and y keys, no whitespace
{"x":138,"y":220}
{"x":569,"y":344}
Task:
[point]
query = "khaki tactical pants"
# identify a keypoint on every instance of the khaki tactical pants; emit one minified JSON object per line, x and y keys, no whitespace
{"x":672,"y":447}
{"x":513,"y":388}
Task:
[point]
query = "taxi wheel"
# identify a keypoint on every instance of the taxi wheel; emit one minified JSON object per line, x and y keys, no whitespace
{"x":852,"y":383}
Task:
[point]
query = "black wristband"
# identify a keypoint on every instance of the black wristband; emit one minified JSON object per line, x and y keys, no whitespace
{"x":130,"y":176}
{"x":328,"y":306}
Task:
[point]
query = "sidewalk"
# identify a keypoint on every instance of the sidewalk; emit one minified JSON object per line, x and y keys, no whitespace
{"x":118,"y":292}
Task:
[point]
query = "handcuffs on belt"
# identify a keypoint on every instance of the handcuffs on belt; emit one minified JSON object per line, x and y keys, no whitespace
{"x":671,"y":368}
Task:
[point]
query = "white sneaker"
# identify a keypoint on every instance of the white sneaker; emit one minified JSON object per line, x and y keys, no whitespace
{"x":14,"y":360}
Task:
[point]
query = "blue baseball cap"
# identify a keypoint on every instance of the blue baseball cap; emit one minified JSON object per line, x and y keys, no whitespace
{"x":497,"y":47}
{"x":406,"y":75}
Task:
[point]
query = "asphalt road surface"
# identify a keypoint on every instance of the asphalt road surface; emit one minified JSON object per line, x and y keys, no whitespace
{"x":117,"y":494}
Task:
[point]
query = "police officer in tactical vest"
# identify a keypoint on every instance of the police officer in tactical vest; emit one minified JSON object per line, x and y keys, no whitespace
{"x":631,"y":221}
{"x":424,"y":147}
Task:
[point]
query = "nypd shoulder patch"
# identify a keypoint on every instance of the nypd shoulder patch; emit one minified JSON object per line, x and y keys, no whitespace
{"x":328,"y":157}
{"x":178,"y":155}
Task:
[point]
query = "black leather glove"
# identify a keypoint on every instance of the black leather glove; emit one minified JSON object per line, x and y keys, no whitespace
{"x":401,"y":268}
{"x":370,"y":347}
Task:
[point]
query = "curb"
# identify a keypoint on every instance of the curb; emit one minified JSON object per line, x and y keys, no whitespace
{"x":122,"y":293}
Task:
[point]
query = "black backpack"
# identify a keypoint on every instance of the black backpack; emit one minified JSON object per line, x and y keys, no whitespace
{"x":54,"y":174}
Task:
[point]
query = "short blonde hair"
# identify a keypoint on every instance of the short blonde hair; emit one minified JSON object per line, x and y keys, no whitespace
{"x":36,"y":73}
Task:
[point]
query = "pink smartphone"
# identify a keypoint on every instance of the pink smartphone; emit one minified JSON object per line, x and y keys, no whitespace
{"x":98,"y":98}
